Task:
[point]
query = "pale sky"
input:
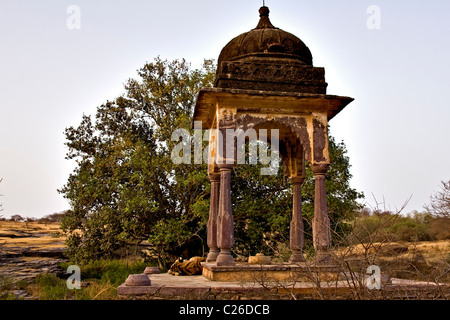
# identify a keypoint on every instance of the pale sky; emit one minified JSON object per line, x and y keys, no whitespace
{"x":396,"y":131}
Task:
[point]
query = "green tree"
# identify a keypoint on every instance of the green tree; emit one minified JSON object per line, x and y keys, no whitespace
{"x":125,"y":188}
{"x":17,"y":218}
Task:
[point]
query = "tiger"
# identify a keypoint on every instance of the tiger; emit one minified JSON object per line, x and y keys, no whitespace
{"x":187,"y":267}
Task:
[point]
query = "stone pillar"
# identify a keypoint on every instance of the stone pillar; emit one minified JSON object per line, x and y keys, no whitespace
{"x":225,"y":227}
{"x":321,"y":222}
{"x":296,"y":228}
{"x":213,"y":215}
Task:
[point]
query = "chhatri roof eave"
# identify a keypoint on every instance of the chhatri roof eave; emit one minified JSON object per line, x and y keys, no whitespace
{"x":266,"y":93}
{"x":207,"y":99}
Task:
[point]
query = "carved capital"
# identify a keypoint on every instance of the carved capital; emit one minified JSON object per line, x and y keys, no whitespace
{"x":297,"y":180}
{"x":225,"y":166}
{"x":320,"y":169}
{"x":214,"y":177}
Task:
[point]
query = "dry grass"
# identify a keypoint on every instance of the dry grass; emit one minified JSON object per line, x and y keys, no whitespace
{"x":432,"y":251}
{"x":425,"y":261}
{"x":32,"y":226}
{"x":32,"y":234}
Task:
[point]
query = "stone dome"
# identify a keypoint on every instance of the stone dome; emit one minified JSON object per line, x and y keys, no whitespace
{"x":268,"y":58}
{"x":266,"y":41}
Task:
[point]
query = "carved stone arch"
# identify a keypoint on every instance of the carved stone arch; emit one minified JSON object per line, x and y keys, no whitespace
{"x":292,"y":153}
{"x":292,"y":129}
{"x":292,"y":141}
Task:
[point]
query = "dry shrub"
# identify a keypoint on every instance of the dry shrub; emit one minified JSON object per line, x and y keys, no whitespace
{"x":439,"y":229}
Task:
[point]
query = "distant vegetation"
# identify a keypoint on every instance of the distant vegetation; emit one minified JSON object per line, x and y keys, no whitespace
{"x":51,"y":218}
{"x":388,"y":227}
{"x":385,"y":226}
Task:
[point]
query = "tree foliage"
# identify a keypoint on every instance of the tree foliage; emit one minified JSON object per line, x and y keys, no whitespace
{"x":125,"y":188}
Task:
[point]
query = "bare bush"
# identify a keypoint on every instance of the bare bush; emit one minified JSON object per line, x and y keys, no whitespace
{"x":411,"y":268}
{"x":440,"y":202}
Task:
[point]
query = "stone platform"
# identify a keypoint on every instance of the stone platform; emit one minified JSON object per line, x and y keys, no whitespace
{"x":167,"y":286}
{"x":271,"y":272}
{"x":198,"y":287}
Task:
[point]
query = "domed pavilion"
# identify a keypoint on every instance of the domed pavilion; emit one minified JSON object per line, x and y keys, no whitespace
{"x":266,"y":80}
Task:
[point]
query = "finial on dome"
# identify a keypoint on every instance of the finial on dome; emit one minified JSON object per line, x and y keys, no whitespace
{"x":264,"y":11}
{"x":264,"y":21}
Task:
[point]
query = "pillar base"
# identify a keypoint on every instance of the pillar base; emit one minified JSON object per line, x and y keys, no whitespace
{"x":225,"y":258}
{"x":322,"y":258}
{"x":212,"y":255}
{"x":297,"y":257}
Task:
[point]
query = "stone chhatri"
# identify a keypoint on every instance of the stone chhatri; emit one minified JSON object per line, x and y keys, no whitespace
{"x":266,"y":80}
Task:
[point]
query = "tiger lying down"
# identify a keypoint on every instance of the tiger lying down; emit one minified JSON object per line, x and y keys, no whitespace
{"x":187,"y":267}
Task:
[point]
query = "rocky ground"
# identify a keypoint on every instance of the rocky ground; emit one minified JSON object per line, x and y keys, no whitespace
{"x":29,"y":249}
